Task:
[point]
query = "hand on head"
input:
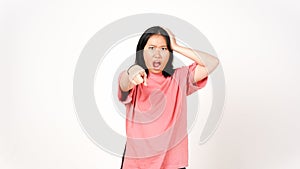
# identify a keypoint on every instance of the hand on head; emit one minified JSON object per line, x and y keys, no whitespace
{"x":172,"y":38}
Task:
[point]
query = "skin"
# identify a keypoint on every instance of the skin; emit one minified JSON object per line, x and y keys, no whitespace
{"x":156,"y":50}
{"x":206,"y":63}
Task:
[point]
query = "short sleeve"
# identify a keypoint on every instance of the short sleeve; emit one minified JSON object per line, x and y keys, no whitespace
{"x":124,"y":97}
{"x":191,"y":86}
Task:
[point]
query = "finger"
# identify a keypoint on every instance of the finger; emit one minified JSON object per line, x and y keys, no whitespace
{"x":142,"y":72}
{"x":145,"y":78}
{"x":133,"y":82}
{"x":138,"y":79}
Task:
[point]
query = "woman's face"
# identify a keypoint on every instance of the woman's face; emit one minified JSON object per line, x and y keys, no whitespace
{"x":156,"y":53}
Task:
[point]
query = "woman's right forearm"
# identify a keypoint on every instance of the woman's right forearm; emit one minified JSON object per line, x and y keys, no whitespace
{"x":125,"y":83}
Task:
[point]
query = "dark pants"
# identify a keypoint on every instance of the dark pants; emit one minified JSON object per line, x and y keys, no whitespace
{"x":123,"y":160}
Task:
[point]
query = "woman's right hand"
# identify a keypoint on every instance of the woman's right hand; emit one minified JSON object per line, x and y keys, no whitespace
{"x":137,"y":75}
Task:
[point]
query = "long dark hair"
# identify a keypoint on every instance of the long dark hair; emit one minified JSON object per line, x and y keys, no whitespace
{"x":139,"y":59}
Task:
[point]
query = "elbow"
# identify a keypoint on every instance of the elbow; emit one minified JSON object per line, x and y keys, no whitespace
{"x":214,"y":65}
{"x":217,"y":61}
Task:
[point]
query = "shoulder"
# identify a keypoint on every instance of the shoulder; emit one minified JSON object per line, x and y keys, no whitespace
{"x":185,"y":71}
{"x":180,"y":73}
{"x":181,"y":70}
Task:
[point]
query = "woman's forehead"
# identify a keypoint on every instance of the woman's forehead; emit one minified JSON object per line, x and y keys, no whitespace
{"x":157,"y":40}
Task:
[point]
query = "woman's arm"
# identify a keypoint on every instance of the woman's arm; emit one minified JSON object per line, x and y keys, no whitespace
{"x":125,"y":84}
{"x":206,"y":63}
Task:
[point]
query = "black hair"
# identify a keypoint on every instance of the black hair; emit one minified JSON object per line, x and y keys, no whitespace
{"x":139,"y":59}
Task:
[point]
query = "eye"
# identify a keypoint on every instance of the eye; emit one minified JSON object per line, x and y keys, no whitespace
{"x":164,"y":48}
{"x":151,"y":47}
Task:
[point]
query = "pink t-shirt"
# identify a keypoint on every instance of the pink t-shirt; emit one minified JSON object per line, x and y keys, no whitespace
{"x":156,"y":120}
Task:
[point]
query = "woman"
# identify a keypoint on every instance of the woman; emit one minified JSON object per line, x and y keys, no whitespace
{"x":154,"y":94}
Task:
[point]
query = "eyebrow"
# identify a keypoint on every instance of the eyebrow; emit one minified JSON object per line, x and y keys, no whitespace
{"x":158,"y":46}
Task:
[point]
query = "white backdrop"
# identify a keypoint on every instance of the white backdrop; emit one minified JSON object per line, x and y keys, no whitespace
{"x":257,"y":43}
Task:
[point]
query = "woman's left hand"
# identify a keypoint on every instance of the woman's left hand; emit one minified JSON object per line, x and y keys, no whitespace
{"x":172,"y":39}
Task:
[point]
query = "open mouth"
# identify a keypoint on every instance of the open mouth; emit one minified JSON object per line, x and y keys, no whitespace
{"x":156,"y":64}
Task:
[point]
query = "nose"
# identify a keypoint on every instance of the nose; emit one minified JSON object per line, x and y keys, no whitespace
{"x":157,"y":54}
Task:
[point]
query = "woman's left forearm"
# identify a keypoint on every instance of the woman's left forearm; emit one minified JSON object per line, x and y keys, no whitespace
{"x":201,"y":58}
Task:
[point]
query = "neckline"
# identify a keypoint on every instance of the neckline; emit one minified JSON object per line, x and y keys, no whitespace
{"x":155,"y":75}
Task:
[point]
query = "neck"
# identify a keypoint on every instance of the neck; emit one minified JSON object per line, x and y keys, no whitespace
{"x":155,"y":73}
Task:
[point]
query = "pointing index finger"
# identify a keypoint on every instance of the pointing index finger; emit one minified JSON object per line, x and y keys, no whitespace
{"x":145,"y":78}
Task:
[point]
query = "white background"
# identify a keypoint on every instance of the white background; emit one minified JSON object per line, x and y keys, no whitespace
{"x":257,"y":43}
